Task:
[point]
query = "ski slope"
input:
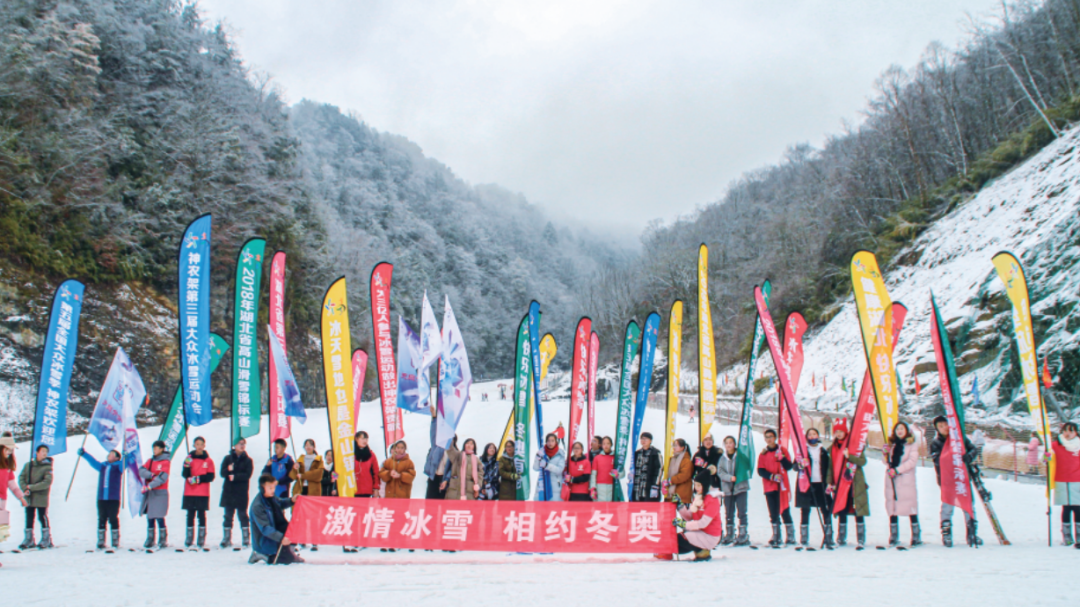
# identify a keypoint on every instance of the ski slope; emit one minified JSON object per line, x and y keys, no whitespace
{"x":994,"y":575}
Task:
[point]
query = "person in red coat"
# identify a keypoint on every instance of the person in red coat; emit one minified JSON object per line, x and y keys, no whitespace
{"x":198,"y":474}
{"x":1066,"y":454}
{"x":700,"y":528}
{"x":578,"y":474}
{"x":773,"y":465}
{"x":602,"y":481}
{"x":366,"y":468}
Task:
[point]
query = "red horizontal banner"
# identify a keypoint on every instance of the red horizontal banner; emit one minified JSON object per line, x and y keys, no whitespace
{"x":484,"y":525}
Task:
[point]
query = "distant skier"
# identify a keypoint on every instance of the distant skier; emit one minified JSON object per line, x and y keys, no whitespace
{"x":198,"y":473}
{"x":848,"y":466}
{"x":279,"y":465}
{"x":691,"y":414}
{"x":236,"y":470}
{"x":941,"y":424}
{"x":1066,"y":451}
{"x":578,"y":474}
{"x":604,"y":475}
{"x":978,"y":438}
{"x":815,"y":496}
{"x":560,"y":433}
{"x":1033,"y":454}
{"x":35,"y":480}
{"x":901,"y":491}
{"x":773,"y":466}
{"x":648,"y":470}
{"x":108,"y":495}
{"x":735,"y":493}
{"x":155,"y":476}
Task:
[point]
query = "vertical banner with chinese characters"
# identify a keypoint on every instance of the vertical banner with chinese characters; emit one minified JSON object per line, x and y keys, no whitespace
{"x":955,"y":483}
{"x":744,"y":460}
{"x":579,"y":380}
{"x":626,"y":395}
{"x":1011,"y":273}
{"x":594,"y":360}
{"x":865,"y":408}
{"x":875,"y":318}
{"x":648,"y":354}
{"x":359,"y":368}
{"x":247,"y":392}
{"x":279,"y":422}
{"x":522,"y":373}
{"x":173,"y":430}
{"x":381,"y":276}
{"x":794,"y":328}
{"x":706,"y":348}
{"x":673,"y":373}
{"x":194,"y":303}
{"x":787,"y":388}
{"x":337,"y":372}
{"x":50,"y":417}
{"x":487,"y":525}
{"x":534,"y":355}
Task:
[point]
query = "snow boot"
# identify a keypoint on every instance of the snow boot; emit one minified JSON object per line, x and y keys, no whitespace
{"x":202,"y":537}
{"x":860,"y":534}
{"x":245,"y":537}
{"x":729,"y":534}
{"x":789,"y":532}
{"x":1076,"y":527}
{"x":226,"y":538}
{"x":1067,"y":534}
{"x":664,"y":557}
{"x":28,"y":540}
{"x":804,"y":535}
{"x":115,"y":539}
{"x":916,"y":534}
{"x":973,"y":538}
{"x":776,"y":540}
{"x":703,"y":555}
{"x":894,"y":534}
{"x":828,"y":536}
{"x":46,"y":539}
{"x":163,"y":538}
{"x":841,"y":533}
{"x":946,"y":533}
{"x":149,"y":543}
{"x":744,"y":537}
{"x":189,"y":539}
{"x":100,"y":539}
{"x":258,"y":558}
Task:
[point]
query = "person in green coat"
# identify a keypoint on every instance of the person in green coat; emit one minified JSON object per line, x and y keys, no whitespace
{"x":508,"y":474}
{"x":35,"y":480}
{"x":858,"y":500}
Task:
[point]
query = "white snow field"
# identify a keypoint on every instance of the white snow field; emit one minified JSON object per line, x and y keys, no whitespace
{"x":1028,"y":572}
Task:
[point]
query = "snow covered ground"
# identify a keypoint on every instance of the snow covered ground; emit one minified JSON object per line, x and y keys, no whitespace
{"x":1027,"y":572}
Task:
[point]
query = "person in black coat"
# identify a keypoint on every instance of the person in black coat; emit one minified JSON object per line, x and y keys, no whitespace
{"x":236,"y":471}
{"x":941,"y":425}
{"x":707,"y":458}
{"x":815,"y":496}
{"x":648,"y":467}
{"x":329,"y":477}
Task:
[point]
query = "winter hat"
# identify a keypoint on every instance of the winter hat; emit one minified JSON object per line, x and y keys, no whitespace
{"x":839,"y":425}
{"x":705,"y":478}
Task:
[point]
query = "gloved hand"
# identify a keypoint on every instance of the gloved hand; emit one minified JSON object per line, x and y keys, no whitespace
{"x":614,"y":474}
{"x":776,"y":478}
{"x":1048,"y":456}
{"x":805,"y":463}
{"x":699,"y":463}
{"x":187,"y":462}
{"x":830,"y":490}
{"x":679,"y":524}
{"x":891,"y":472}
{"x":675,"y":499}
{"x":81,"y":452}
{"x":592,"y":494}
{"x":193,"y":480}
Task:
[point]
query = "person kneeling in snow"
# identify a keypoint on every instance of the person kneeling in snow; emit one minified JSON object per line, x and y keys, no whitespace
{"x":268,"y":525}
{"x":700,"y":527}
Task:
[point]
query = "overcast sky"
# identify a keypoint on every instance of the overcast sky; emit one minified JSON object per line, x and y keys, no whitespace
{"x":609,"y":112}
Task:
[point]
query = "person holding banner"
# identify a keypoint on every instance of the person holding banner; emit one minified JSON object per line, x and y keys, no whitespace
{"x":735,"y":493}
{"x":901,"y":491}
{"x":941,"y":424}
{"x":578,"y":475}
{"x":1066,"y":453}
{"x":155,"y":474}
{"x":7,"y":482}
{"x":307,"y":472}
{"x":465,"y":476}
{"x":700,"y":526}
{"x":680,"y":473}
{"x":108,"y":494}
{"x":198,"y":473}
{"x":35,"y":480}
{"x":858,"y":498}
{"x":435,"y":465}
{"x":508,"y":474}
{"x":268,"y":525}
{"x":594,"y":447}
{"x":707,"y":457}
{"x":366,"y":469}
{"x":604,"y":474}
{"x":648,"y":469}
{"x":490,"y":462}
{"x":329,"y":477}
{"x":236,"y":470}
{"x":815,"y":496}
{"x":773,"y":466}
{"x":551,"y":459}
{"x":280,"y":466}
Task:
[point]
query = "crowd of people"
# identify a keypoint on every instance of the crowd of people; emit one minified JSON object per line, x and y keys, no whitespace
{"x":711,"y":498}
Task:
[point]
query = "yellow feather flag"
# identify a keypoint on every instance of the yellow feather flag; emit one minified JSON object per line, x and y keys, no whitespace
{"x":706,"y":349}
{"x":674,"y":368}
{"x":337,"y":373}
{"x":875,"y":319}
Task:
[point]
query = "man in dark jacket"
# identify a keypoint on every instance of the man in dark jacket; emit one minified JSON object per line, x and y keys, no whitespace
{"x":279,"y":467}
{"x":941,"y":425}
{"x":435,"y":465}
{"x":648,"y":466}
{"x":268,"y":525}
{"x":508,"y":474}
{"x":236,"y":471}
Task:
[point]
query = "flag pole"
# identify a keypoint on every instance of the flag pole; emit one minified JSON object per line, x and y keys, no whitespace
{"x":73,"y":472}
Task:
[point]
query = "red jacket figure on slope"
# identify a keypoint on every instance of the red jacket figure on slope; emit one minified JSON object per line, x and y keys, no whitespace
{"x":198,"y":473}
{"x":773,"y":465}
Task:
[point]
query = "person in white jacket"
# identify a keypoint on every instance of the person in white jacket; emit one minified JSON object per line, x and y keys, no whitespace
{"x":552,"y":461}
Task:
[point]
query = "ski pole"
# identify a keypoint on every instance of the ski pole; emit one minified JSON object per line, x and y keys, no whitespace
{"x":72,"y":481}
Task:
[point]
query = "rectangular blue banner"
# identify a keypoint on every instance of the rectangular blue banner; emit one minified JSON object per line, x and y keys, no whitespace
{"x":50,"y":417}
{"x":194,"y":301}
